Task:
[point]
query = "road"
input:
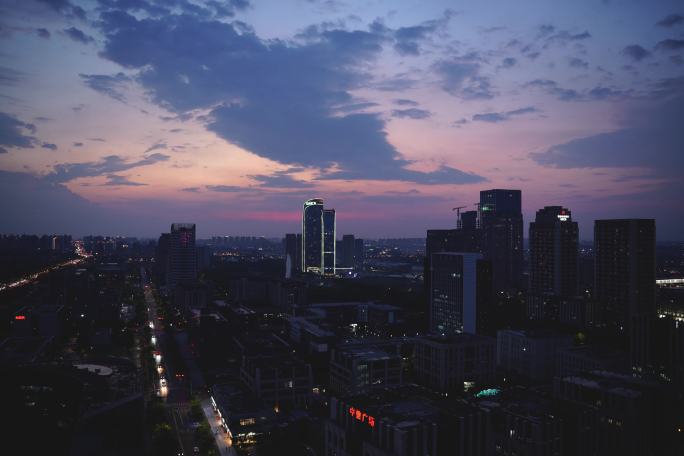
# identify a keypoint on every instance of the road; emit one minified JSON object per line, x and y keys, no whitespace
{"x":176,"y":397}
{"x":176,"y":394}
{"x":223,"y":441}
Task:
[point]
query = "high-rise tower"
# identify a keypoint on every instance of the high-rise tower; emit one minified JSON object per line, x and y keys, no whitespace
{"x":501,"y":223}
{"x":182,"y":255}
{"x":624,"y":280}
{"x":329,"y":242}
{"x":312,"y":236}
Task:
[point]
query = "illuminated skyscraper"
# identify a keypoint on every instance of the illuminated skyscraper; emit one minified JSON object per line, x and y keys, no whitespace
{"x":329,"y":238}
{"x":182,"y":255}
{"x":312,"y":236}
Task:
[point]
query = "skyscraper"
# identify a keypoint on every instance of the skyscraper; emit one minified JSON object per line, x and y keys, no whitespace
{"x":348,"y":251}
{"x":329,"y":242}
{"x":359,"y":253}
{"x":293,"y":251}
{"x":182,"y":255}
{"x":465,"y":238}
{"x":624,"y":280}
{"x":501,"y":223}
{"x":454,"y":292}
{"x":554,"y":241}
{"x":312,"y":236}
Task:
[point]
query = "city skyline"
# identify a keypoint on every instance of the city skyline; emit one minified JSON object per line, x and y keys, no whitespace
{"x":395,"y":112}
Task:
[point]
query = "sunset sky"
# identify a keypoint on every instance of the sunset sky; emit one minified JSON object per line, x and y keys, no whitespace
{"x":120,"y":117}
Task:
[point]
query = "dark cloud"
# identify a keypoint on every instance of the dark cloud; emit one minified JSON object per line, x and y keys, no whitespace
{"x":49,"y":146}
{"x":228,"y":189}
{"x":653,"y":140}
{"x":461,"y":77}
{"x":411,"y":113}
{"x":13,"y":132}
{"x":397,"y":83}
{"x":78,"y":35}
{"x":273,"y":98}
{"x":356,"y":106}
{"x":110,"y":85}
{"x":597,"y":93}
{"x":670,"y":20}
{"x":66,"y":8}
{"x":280,"y":179}
{"x":65,"y":172}
{"x":10,"y":77}
{"x":37,"y":204}
{"x":408,"y":40}
{"x":43,"y":33}
{"x":191,"y":189}
{"x":405,"y":102}
{"x":670,"y":45}
{"x":115,"y":180}
{"x":78,"y":144}
{"x":636,"y":52}
{"x":495,"y":117}
{"x":508,"y":62}
{"x":156,"y":146}
{"x":578,"y":63}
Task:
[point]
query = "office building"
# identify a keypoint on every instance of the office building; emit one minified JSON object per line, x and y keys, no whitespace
{"x":530,"y":355}
{"x":554,"y":239}
{"x":312,"y":236}
{"x":293,"y":252}
{"x":182,"y":255}
{"x":358,"y":253}
{"x":451,"y":364}
{"x":465,"y":238}
{"x":501,"y":223}
{"x":329,"y":242}
{"x":624,"y":275}
{"x":453,"y":297}
{"x":348,"y":250}
{"x":554,"y":242}
{"x":161,"y":257}
{"x":359,"y":368}
{"x":619,"y":413}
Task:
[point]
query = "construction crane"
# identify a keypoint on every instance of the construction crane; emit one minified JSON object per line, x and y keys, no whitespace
{"x":459,"y":224}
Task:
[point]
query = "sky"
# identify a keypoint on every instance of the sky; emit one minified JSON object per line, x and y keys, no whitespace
{"x":119,"y":117}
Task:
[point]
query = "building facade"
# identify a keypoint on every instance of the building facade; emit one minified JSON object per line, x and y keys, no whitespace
{"x":501,"y":223}
{"x":453,"y":297}
{"x":329,"y":242}
{"x":312,"y":236}
{"x":624,"y":281}
{"x":182,"y":255}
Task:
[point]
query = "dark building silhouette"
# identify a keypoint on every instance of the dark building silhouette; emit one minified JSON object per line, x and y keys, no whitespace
{"x":161,"y":257}
{"x":554,"y":242}
{"x":624,"y":274}
{"x":293,"y":251}
{"x":182,"y":255}
{"x":501,"y":223}
{"x":456,"y":279}
{"x":358,"y":252}
{"x":348,"y":246}
{"x":329,"y":241}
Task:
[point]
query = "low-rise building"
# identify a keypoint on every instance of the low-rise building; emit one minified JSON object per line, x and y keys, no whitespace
{"x":452,"y":363}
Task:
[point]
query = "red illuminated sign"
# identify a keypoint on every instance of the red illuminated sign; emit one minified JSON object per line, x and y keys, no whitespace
{"x":20,"y":317}
{"x":362,"y":416}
